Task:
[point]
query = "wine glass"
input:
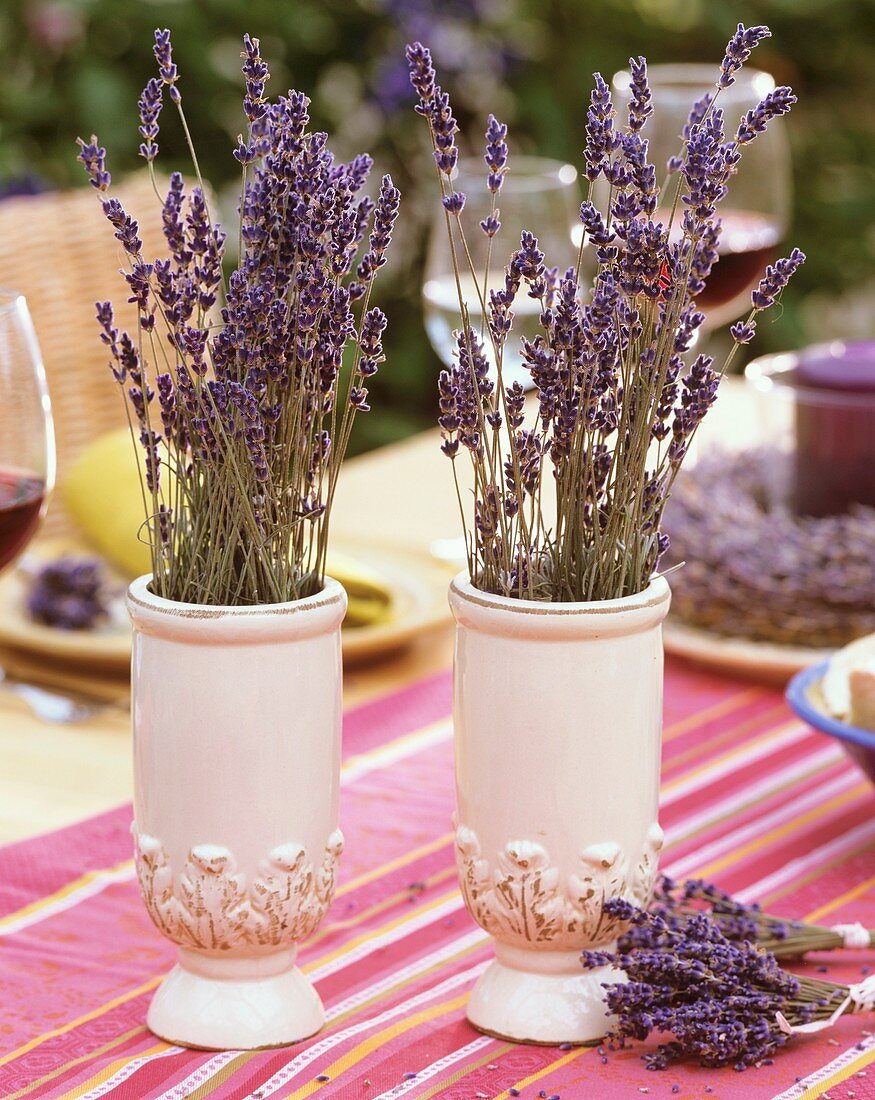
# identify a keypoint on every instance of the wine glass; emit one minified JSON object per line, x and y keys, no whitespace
{"x":756,"y":211}
{"x":538,"y":195}
{"x":27,"y":443}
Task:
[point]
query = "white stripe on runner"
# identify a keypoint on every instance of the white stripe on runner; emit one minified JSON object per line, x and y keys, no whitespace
{"x":437,"y":1067}
{"x":737,"y":837}
{"x":844,"y":1060}
{"x":400,"y":749}
{"x":96,"y":885}
{"x":397,"y":977}
{"x":200,"y":1076}
{"x":367,"y":947}
{"x":125,"y":1072}
{"x":324,"y":1046}
{"x":817,"y":857}
{"x":353,"y":769}
{"x":435,"y":958}
{"x":757,"y":750}
{"x":752,"y":793}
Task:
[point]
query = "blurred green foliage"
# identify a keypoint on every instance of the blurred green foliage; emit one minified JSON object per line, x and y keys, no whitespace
{"x":71,"y":67}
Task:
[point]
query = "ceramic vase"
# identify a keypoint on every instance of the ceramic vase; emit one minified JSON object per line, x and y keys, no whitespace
{"x":558,"y":716}
{"x":236,"y":715}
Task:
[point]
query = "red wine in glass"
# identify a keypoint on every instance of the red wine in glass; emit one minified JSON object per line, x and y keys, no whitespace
{"x":21,"y":501}
{"x":748,"y":242}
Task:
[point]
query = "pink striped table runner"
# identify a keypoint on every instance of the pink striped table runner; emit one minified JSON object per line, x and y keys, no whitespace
{"x":751,"y":798}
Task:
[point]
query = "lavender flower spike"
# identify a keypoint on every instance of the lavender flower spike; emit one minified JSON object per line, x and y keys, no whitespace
{"x":600,"y":137}
{"x":776,"y":103}
{"x":385,"y":214}
{"x":421,"y":74}
{"x":93,"y":156}
{"x":149,"y":105}
{"x":496,"y":153}
{"x":256,"y":73}
{"x":775,"y":279}
{"x":738,"y":50}
{"x":641,"y":101}
{"x":164,"y":56}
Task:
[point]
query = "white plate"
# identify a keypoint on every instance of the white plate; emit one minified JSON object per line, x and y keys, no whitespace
{"x":766,"y":662}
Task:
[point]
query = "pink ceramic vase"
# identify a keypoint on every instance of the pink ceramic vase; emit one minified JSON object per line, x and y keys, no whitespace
{"x":558,"y":717}
{"x":237,"y":714}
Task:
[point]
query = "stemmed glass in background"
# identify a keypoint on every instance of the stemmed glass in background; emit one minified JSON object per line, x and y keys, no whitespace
{"x":538,"y":195}
{"x":27,"y":445}
{"x":756,"y":211}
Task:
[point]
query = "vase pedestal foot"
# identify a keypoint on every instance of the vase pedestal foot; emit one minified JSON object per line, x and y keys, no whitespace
{"x":542,"y":997}
{"x":215,"y":1003}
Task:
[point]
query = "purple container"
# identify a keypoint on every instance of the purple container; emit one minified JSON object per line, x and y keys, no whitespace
{"x":819,"y":404}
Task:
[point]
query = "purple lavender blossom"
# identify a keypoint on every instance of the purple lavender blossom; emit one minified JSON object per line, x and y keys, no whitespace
{"x":69,"y":594}
{"x":243,"y":411}
{"x":385,"y":215}
{"x":422,"y":75}
{"x":716,"y":999}
{"x":164,"y":56}
{"x":454,"y":203}
{"x":641,"y":100}
{"x":93,"y":156}
{"x":738,"y":50}
{"x":616,"y":406}
{"x":149,"y":105}
{"x":775,"y":279}
{"x":496,"y":153}
{"x":601,"y":139}
{"x":755,"y":121}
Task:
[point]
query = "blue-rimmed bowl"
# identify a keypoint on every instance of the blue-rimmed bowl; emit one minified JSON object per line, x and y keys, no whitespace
{"x":805,"y":696}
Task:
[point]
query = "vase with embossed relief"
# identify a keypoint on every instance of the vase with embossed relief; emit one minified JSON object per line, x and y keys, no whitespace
{"x":558,"y":717}
{"x":236,"y":715}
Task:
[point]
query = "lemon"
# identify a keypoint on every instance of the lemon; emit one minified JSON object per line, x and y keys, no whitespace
{"x":102,"y":494}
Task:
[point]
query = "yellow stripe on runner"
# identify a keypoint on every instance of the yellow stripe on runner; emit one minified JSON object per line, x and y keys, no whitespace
{"x":65,"y":891}
{"x":109,"y":1070}
{"x":117,"y":1042}
{"x":353,"y":1057}
{"x":813,"y":1091}
{"x":533,"y":1077}
{"x":114,"y":1003}
{"x":774,"y":734}
{"x":460,"y":1073}
{"x":849,"y":895}
{"x":365,"y":936}
{"x":716,"y":710}
{"x":402,"y":861}
{"x":781,"y":831}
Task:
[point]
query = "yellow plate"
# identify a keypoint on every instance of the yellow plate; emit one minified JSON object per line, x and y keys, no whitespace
{"x":417,"y":583}
{"x":765,"y":662}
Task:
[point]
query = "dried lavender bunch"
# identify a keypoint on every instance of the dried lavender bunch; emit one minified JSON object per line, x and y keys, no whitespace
{"x":70,"y":594}
{"x":568,"y":506}
{"x":244,"y":417}
{"x":754,"y":569}
{"x":678,"y":902}
{"x":723,"y":1003}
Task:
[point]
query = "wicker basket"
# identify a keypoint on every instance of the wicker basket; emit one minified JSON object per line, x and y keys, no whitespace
{"x":59,"y":251}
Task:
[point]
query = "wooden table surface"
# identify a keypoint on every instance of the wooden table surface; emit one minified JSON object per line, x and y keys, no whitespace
{"x":52,"y":775}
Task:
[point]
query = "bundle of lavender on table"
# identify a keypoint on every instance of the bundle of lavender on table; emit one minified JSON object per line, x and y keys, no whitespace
{"x":616,"y":405}
{"x":721,"y":1001}
{"x":244,"y":417}
{"x":679,"y":902}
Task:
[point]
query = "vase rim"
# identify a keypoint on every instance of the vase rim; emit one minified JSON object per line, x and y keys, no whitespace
{"x":537,"y":618}
{"x":655,"y":593}
{"x":306,"y":617}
